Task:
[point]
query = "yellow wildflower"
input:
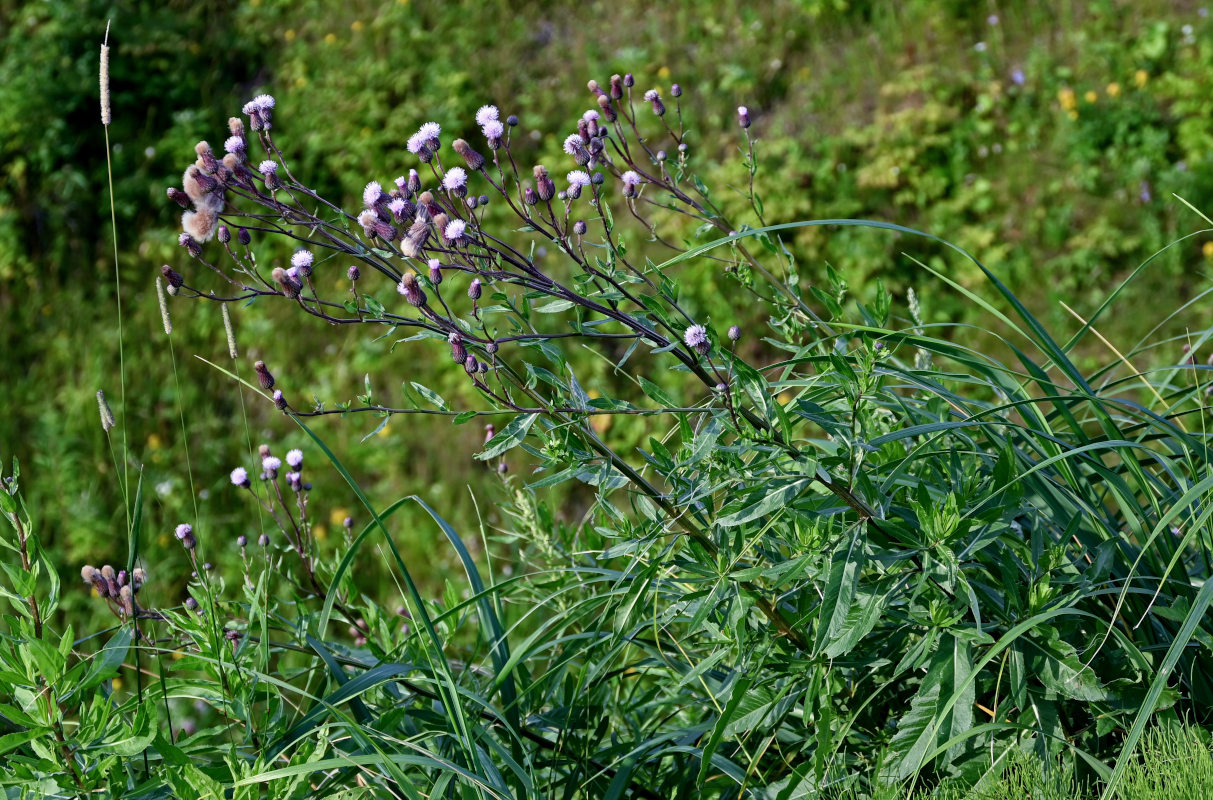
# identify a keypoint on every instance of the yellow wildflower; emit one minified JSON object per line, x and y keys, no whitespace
{"x":356,"y":25}
{"x":1207,"y":250}
{"x":289,"y":35}
{"x":1141,"y":78}
{"x":1113,"y":89}
{"x":1067,"y":98}
{"x":663,"y":72}
{"x":1091,"y":96}
{"x":330,"y":38}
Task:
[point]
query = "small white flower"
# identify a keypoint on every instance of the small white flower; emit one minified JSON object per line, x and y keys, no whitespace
{"x":271,"y":464}
{"x":695,"y":336}
{"x":429,"y":130}
{"x":486,"y":114}
{"x":573,"y":143}
{"x":233,"y":144}
{"x":372,"y":194}
{"x":455,"y":178}
{"x":631,"y":178}
{"x":294,"y":458}
{"x":454,"y":230}
{"x":493,"y":129}
{"x":302,"y":258}
{"x":415,"y":143}
{"x":578,"y":178}
{"x":264,"y":102}
{"x":268,"y":167}
{"x":239,"y":476}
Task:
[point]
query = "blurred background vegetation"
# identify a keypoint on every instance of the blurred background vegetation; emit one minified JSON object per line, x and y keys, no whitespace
{"x":1045,"y":137}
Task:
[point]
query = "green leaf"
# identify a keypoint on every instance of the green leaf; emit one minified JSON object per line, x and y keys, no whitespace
{"x":776,"y":498}
{"x":508,"y":437}
{"x":429,"y":394}
{"x":845,"y":567}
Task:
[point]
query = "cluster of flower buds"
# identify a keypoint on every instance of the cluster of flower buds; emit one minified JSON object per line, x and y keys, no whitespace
{"x":117,"y":588}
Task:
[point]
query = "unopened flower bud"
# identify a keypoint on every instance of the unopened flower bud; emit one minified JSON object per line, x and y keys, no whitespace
{"x":676,"y":90}
{"x":529,"y":197}
{"x":470,"y":157}
{"x":616,"y":87}
{"x":470,"y":364}
{"x":459,"y":353}
{"x":743,"y":116}
{"x":223,"y":234}
{"x":279,"y":400}
{"x":435,"y":271}
{"x":191,"y":604}
{"x":244,"y":237}
{"x":734,"y":333}
{"x":579,"y":227}
{"x":411,"y":289}
{"x":512,"y":121}
{"x":264,"y":540}
{"x":353,"y":273}
{"x":179,"y":197}
{"x":608,"y":109}
{"x":190,"y":244}
{"x":474,"y":291}
{"x":545,"y":187}
{"x":263,"y":375}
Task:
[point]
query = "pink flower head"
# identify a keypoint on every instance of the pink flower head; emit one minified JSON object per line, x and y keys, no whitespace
{"x":240,"y":476}
{"x":578,"y":178}
{"x":651,"y":95}
{"x":572,"y":143}
{"x":268,"y":167}
{"x":294,"y":458}
{"x":591,"y":116}
{"x":302,"y":259}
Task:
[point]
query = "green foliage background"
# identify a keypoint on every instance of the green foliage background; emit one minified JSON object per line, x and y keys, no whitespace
{"x":889,"y":111}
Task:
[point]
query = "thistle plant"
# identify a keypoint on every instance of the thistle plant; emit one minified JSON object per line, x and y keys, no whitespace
{"x":854,"y":552}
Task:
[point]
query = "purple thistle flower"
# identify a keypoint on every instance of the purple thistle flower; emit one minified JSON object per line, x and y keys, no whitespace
{"x":264,"y":540}
{"x":591,"y":116}
{"x":493,"y":131}
{"x":734,"y":333}
{"x":372,"y":194}
{"x":279,"y":400}
{"x":295,"y":458}
{"x":696,"y":338}
{"x":578,"y":178}
{"x":271,"y":465}
{"x":264,"y":102}
{"x":573,"y":143}
{"x":1018,"y":78}
{"x":269,"y":171}
{"x":353,"y":273}
{"x":414,"y":181}
{"x":743,"y":116}
{"x":302,"y":261}
{"x":398,"y":206}
{"x":183,"y":530}
{"x":631,"y":182}
{"x":234,"y":144}
{"x":435,"y":271}
{"x":416,"y":146}
{"x":240,"y":477}
{"x":486,"y":114}
{"x":242,"y":541}
{"x":474,"y":290}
